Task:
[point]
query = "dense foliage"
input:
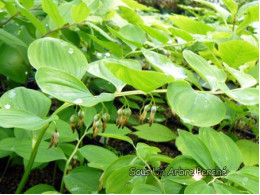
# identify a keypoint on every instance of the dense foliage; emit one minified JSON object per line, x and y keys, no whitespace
{"x":75,"y":71}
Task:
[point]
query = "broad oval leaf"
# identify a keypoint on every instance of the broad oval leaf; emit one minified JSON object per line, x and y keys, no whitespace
{"x":211,"y":74}
{"x":51,"y":9}
{"x":99,"y":69}
{"x":156,"y":133}
{"x":39,"y":189}
{"x":190,"y":25}
{"x":146,"y":189}
{"x":68,"y":88}
{"x":250,"y":151}
{"x":163,"y":64}
{"x":237,"y":52}
{"x":245,"y":80}
{"x":82,"y":180}
{"x":23,"y":119}
{"x":221,"y":188}
{"x":196,"y":108}
{"x":246,"y":179}
{"x":21,"y":98}
{"x":223,"y":150}
{"x":191,"y":145}
{"x":199,"y":187}
{"x":143,"y":80}
{"x":247,"y":96}
{"x":97,"y":156}
{"x":80,"y":12}
{"x":10,"y":39}
{"x":57,"y":54}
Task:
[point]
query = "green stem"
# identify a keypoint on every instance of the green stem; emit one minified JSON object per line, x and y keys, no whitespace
{"x":159,"y":47}
{"x":151,"y":171}
{"x":69,"y":160}
{"x":31,"y":161}
{"x":35,"y":150}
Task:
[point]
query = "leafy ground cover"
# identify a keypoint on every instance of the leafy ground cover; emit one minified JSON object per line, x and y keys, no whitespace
{"x":111,"y":96}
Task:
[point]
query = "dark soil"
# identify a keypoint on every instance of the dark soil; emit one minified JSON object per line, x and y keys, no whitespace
{"x":14,"y":174}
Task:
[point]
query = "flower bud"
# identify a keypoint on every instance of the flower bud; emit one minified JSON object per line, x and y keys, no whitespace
{"x":73,"y":121}
{"x":105,"y":117}
{"x":54,"y":138}
{"x":153,"y":111}
{"x":98,"y":126}
{"x":81,"y":115}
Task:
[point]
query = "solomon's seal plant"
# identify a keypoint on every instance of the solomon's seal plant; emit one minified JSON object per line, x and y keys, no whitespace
{"x":92,"y":90}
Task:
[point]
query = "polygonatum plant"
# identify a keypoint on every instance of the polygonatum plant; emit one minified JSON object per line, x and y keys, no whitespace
{"x":99,"y":88}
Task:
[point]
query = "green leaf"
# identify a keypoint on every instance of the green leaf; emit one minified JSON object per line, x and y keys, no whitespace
{"x":163,"y":64}
{"x":181,"y":33}
{"x":112,"y":46}
{"x":39,"y":189}
{"x":237,"y":52}
{"x":223,"y":150}
{"x":58,"y":54}
{"x":211,"y":74}
{"x":145,"y":189}
{"x":10,"y":39}
{"x":51,"y":9}
{"x":37,"y":23}
{"x":130,"y":15}
{"x":12,"y":63}
{"x":98,"y":157}
{"x":231,"y":5}
{"x":171,"y":187}
{"x":68,"y":88}
{"x":144,"y":80}
{"x":248,"y":96}
{"x":21,"y":98}
{"x":24,"y":148}
{"x":135,"y":5}
{"x":245,"y":80}
{"x":156,"y":133}
{"x":132,"y":35}
{"x":223,"y":12}
{"x":119,"y":163}
{"x":155,"y":33}
{"x":117,"y":136}
{"x":99,"y":69}
{"x":221,"y":188}
{"x":195,"y":108}
{"x":250,"y":151}
{"x":252,"y":15}
{"x":121,"y":181}
{"x":246,"y":180}
{"x":80,"y":12}
{"x":180,"y":162}
{"x":191,"y":145}
{"x":82,"y":180}
{"x":190,"y":25}
{"x":22,"y":119}
{"x":199,"y":187}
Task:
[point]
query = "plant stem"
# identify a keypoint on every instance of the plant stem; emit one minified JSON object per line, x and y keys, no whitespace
{"x":151,"y":171}
{"x":69,"y":160}
{"x":35,"y":150}
{"x":31,"y":161}
{"x":159,"y":47}
{"x":60,"y":28}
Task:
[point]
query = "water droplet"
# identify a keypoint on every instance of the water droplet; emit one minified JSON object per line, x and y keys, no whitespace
{"x":25,"y":72}
{"x":78,"y":101}
{"x":169,"y":42}
{"x":70,"y":51}
{"x":12,"y":94}
{"x":7,"y":106}
{"x":245,"y":179}
{"x":107,"y":54}
{"x":46,"y":24}
{"x":99,"y":55}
